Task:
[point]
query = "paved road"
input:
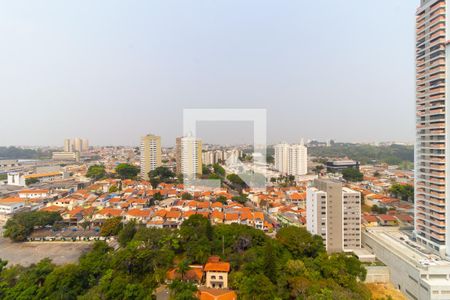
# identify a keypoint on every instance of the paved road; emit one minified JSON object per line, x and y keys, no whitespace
{"x":162,"y":293}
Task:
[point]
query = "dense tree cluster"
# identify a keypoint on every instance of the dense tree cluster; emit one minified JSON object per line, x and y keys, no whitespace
{"x":96,"y":172}
{"x":21,"y":225}
{"x":161,"y":174}
{"x":393,"y":154}
{"x":294,"y":265}
{"x":21,"y":153}
{"x":402,"y":191}
{"x":127,"y":171}
{"x":352,"y":174}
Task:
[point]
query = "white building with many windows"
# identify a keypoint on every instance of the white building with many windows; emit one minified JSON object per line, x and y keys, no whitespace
{"x":291,"y":159}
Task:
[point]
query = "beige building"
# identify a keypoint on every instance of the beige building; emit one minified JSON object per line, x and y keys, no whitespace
{"x":67,"y":145}
{"x":75,"y":156}
{"x":432,"y":211}
{"x":76,"y":145}
{"x":150,"y":154}
{"x":334,"y":213}
{"x":217,"y":274}
{"x":189,"y":156}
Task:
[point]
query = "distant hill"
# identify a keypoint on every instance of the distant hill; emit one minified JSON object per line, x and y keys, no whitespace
{"x":393,"y":154}
{"x":20,"y":153}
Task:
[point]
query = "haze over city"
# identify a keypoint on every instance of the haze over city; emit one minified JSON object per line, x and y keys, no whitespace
{"x":113,"y":71}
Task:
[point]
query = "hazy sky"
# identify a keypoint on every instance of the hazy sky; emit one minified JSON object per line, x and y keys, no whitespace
{"x":112,"y":71}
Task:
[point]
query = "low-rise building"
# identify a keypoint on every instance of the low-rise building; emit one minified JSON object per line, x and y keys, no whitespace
{"x":217,"y":273}
{"x":416,"y":272}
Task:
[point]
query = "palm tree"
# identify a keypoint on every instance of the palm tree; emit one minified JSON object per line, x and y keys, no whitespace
{"x":182,"y":268}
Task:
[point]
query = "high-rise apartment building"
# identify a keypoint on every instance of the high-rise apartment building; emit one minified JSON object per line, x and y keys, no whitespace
{"x":84,"y":145}
{"x":432,"y":211}
{"x":189,"y":156}
{"x":334,"y":213}
{"x":150,"y":154}
{"x":76,"y":145}
{"x":291,"y":159}
{"x":281,"y":158}
{"x":298,"y":160}
{"x":67,"y":145}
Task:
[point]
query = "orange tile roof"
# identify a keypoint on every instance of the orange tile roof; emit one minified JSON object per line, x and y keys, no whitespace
{"x":231,"y":217}
{"x":217,"y":215}
{"x":370,"y":218}
{"x":188,"y":213}
{"x":173,"y":214}
{"x":12,"y":200}
{"x":246,"y":216}
{"x":258,"y":215}
{"x":203,"y":213}
{"x":217,"y":266}
{"x":217,"y":204}
{"x":203,"y":204}
{"x":192,"y":203}
{"x":110,"y":212}
{"x":138,"y":213}
{"x":194,"y":273}
{"x":298,"y":196}
{"x":161,"y":213}
{"x":386,"y":218}
{"x":75,"y":210}
{"x":39,"y":175}
{"x":217,"y":294}
{"x":53,"y":208}
{"x":138,"y":201}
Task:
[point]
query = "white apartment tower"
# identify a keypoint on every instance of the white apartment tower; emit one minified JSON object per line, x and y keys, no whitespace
{"x":67,"y":145}
{"x":432,"y":174}
{"x":189,"y":156}
{"x":291,"y":159}
{"x":150,"y":154}
{"x":281,"y":158}
{"x":298,"y":160}
{"x":334,"y":213}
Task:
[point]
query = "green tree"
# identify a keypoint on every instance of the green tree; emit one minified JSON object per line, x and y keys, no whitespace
{"x":186,"y":196}
{"x":182,"y":268}
{"x":20,"y":226}
{"x":240,"y":199}
{"x":65,"y":282}
{"x":96,"y":172}
{"x":30,"y":181}
{"x":402,"y":191}
{"x":236,"y":180}
{"x":205,"y":170}
{"x":257,"y":287}
{"x":113,"y":189}
{"x":352,"y":174}
{"x":219,"y":170}
{"x":127,"y":171}
{"x":300,"y":242}
{"x":161,"y":174}
{"x":196,"y":234}
{"x":127,"y":233}
{"x":222,"y":199}
{"x":111,"y":226}
{"x":180,"y":290}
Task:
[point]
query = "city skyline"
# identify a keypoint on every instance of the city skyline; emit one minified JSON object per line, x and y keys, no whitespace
{"x":257,"y":54}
